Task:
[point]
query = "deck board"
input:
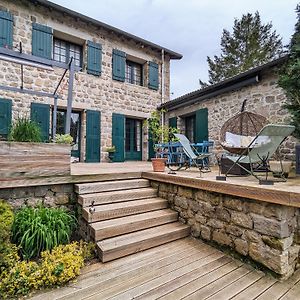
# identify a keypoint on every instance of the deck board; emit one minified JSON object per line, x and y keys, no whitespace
{"x":183,"y":269}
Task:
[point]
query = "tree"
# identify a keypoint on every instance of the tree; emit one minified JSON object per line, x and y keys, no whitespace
{"x":289,"y":77}
{"x":250,"y":44}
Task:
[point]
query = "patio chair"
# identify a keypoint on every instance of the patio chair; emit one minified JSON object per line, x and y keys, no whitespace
{"x":197,"y":159}
{"x":261,"y":149}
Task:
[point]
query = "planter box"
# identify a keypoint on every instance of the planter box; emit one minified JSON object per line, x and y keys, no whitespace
{"x":30,"y":160}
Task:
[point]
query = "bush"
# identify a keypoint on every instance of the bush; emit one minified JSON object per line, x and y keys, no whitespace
{"x":6,"y":220}
{"x":25,"y":130}
{"x":41,"y":228}
{"x":56,"y":267}
{"x":63,"y":139}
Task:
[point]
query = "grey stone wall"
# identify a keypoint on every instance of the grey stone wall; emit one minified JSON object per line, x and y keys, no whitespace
{"x":264,"y":232}
{"x":90,"y":92}
{"x":264,"y":98}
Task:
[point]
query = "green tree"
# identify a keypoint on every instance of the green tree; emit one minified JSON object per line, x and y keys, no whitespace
{"x":289,"y":77}
{"x":250,"y":44}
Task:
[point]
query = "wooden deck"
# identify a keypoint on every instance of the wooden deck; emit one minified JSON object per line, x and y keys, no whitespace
{"x":184,"y":269}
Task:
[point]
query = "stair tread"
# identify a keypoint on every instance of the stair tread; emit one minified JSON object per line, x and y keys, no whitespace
{"x":131,"y":219}
{"x":126,"y":204}
{"x":140,"y":236}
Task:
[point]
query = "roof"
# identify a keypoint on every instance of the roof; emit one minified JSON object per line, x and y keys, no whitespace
{"x":249,"y":77}
{"x":54,"y":6}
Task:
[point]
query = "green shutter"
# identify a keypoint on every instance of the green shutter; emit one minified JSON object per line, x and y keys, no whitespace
{"x":40,"y":113}
{"x":151,"y":152}
{"x":201,"y":133}
{"x":94,"y":58}
{"x":93,"y":136}
{"x":118,"y":136}
{"x":41,"y":40}
{"x":173,"y":122}
{"x":5,"y":117}
{"x":6,"y":29}
{"x":153,"y":76}
{"x":118,"y":61}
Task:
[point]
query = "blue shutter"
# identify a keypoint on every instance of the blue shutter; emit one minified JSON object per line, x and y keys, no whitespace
{"x":118,"y":61}
{"x":118,"y":136}
{"x":5,"y":116}
{"x":153,"y":76}
{"x":94,"y":58}
{"x":6,"y":29}
{"x":41,"y":40}
{"x":40,"y":113}
{"x":93,"y":134}
{"x":173,"y":122}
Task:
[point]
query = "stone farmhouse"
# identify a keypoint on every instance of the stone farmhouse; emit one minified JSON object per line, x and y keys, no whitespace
{"x":112,"y":83}
{"x":201,"y":113}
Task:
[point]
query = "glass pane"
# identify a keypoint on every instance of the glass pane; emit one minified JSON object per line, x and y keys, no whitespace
{"x":127,"y":135}
{"x":189,"y":128}
{"x":138,"y":135}
{"x":74,"y":130}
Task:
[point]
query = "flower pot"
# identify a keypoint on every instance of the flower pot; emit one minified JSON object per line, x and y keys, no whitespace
{"x":158,"y":164}
{"x":278,"y":171}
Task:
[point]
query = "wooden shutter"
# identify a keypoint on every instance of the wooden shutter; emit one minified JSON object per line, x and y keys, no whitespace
{"x":118,"y":136}
{"x":201,"y":133}
{"x":153,"y":76}
{"x":173,"y":122}
{"x":118,"y":61}
{"x":6,"y":29}
{"x":94,"y":58}
{"x":5,"y":116}
{"x":40,"y":113}
{"x":151,"y":152}
{"x":93,"y":136}
{"x":41,"y":40}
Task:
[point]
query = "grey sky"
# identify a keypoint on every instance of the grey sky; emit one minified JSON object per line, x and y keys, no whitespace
{"x":190,"y":27}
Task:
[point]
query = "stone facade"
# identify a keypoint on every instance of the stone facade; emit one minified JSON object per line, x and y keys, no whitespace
{"x":264,"y":232}
{"x":264,"y":98}
{"x":90,"y":92}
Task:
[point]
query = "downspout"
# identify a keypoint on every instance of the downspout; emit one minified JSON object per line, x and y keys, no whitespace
{"x":162,"y":88}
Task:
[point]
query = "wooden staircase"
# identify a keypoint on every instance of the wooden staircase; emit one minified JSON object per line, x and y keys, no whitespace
{"x":126,"y":216}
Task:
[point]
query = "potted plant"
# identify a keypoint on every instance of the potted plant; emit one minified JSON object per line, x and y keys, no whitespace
{"x":160,"y":133}
{"x":111,"y":152}
{"x":289,"y":81}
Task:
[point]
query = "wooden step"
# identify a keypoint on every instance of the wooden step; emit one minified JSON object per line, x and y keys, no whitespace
{"x":116,"y":196}
{"x":110,"y":228}
{"x":126,"y":244}
{"x":96,"y":187}
{"x":121,"y":209}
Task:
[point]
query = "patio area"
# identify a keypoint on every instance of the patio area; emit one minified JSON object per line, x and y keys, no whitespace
{"x":183,"y":269}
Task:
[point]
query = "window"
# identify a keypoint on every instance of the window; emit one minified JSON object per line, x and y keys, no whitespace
{"x":63,"y":51}
{"x":133,"y":73}
{"x":190,"y":127}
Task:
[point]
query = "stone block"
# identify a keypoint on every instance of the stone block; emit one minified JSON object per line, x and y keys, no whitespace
{"x":205,"y":232}
{"x":272,"y":227}
{"x":254,"y":207}
{"x":200,"y":219}
{"x":185,"y":192}
{"x":241,"y":246}
{"x":221,"y":238}
{"x":194,"y":205}
{"x":215,"y":223}
{"x":276,"y":243}
{"x":181,"y":202}
{"x":62,"y":199}
{"x":241,"y":219}
{"x":294,"y":254}
{"x":40,"y":191}
{"x":232,"y":203}
{"x":279,"y":212}
{"x":206,"y":209}
{"x":234,"y":230}
{"x":253,"y":236}
{"x":195,"y":230}
{"x":223,"y":214}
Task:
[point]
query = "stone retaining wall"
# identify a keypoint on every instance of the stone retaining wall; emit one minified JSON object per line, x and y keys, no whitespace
{"x":266,"y":233}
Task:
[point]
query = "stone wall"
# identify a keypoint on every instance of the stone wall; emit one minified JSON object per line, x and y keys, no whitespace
{"x":266,"y":233}
{"x":90,"y":92}
{"x":264,"y":98}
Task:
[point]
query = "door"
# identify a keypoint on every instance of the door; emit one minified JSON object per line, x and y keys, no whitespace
{"x":74,"y":129}
{"x":93,"y":135}
{"x":133,"y":139}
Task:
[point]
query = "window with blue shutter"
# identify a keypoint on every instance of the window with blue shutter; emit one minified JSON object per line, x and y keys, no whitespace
{"x":118,"y":136}
{"x":118,"y":61}
{"x":40,"y":113}
{"x":5,"y":117}
{"x":153,"y":76}
{"x":41,"y":40}
{"x":94,"y":58}
{"x":6,"y":29}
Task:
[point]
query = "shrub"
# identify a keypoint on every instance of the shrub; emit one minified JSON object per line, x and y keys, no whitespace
{"x":63,"y":139}
{"x":56,"y":267}
{"x":41,"y":228}
{"x":6,"y":220}
{"x":25,"y":130}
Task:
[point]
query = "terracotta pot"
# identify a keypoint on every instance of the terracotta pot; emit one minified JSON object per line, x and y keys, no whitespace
{"x":158,"y":164}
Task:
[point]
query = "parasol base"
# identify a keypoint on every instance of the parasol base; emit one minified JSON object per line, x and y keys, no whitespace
{"x":221,"y":178}
{"x":266,"y":182}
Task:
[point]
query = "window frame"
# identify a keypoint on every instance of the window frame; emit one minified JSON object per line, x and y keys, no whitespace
{"x":132,"y":77}
{"x":67,"y":49}
{"x":191,"y":121}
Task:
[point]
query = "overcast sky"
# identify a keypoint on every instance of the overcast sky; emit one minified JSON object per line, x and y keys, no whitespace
{"x":190,"y":27}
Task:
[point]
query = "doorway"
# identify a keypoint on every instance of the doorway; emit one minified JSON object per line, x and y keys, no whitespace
{"x":133,"y":139}
{"x":74,"y":129}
